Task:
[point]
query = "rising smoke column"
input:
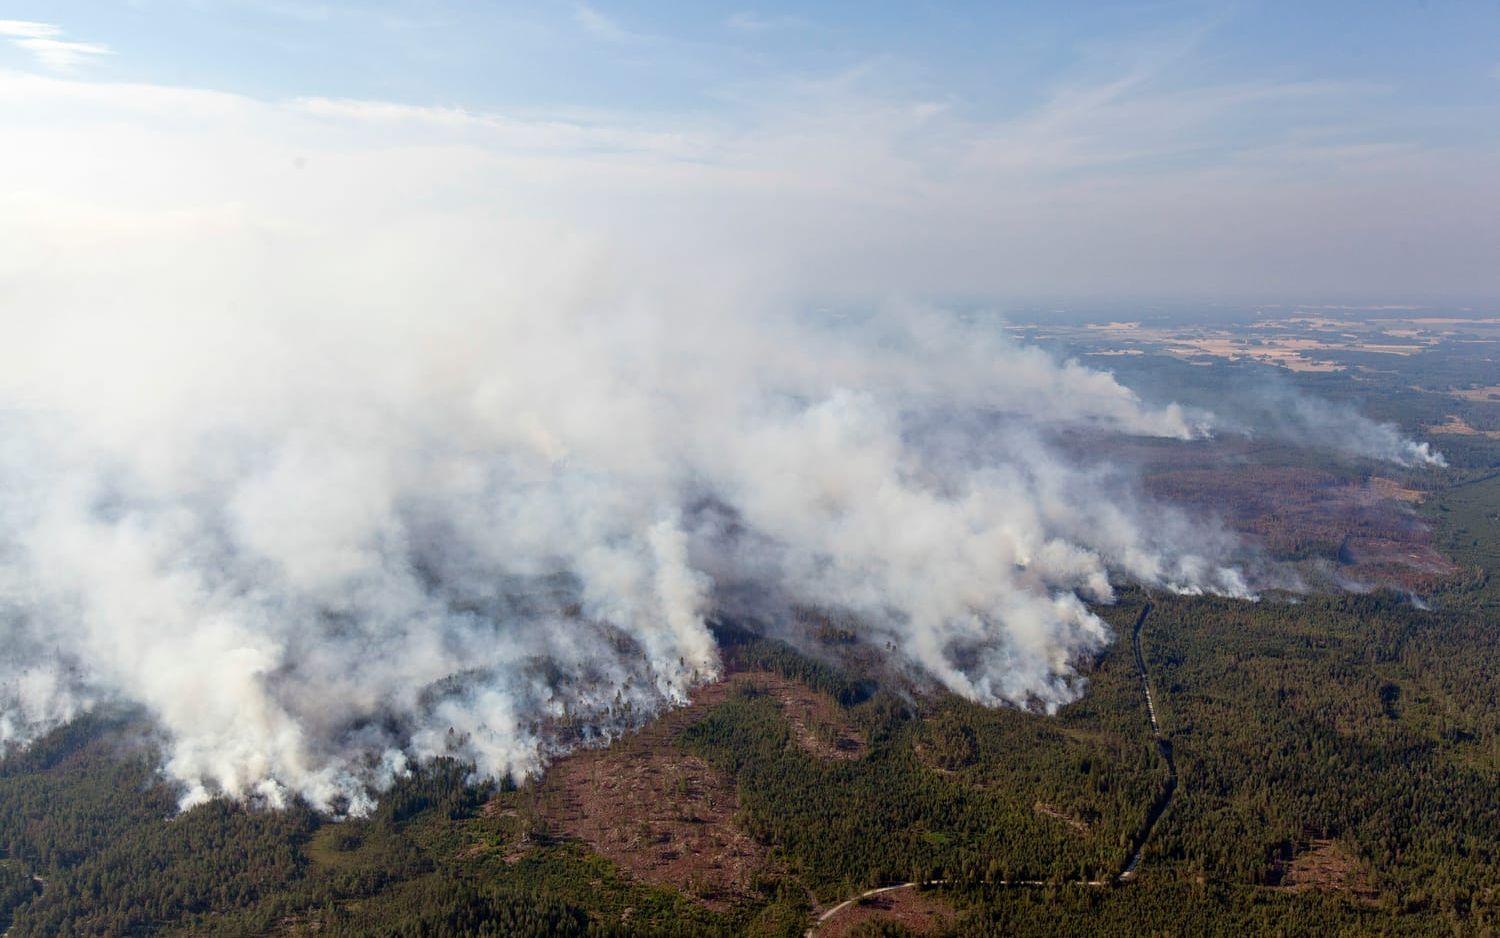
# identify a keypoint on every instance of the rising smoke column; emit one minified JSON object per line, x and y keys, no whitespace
{"x":336,"y":462}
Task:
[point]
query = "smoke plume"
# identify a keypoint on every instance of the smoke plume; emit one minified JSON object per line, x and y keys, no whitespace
{"x":1311,"y":421}
{"x":333,"y":453}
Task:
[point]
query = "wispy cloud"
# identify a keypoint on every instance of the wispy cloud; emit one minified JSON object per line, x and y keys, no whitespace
{"x":44,"y":42}
{"x":556,"y":136}
{"x":601,"y":25}
{"x":750,"y":22}
{"x":26,"y":29}
{"x":857,"y":183}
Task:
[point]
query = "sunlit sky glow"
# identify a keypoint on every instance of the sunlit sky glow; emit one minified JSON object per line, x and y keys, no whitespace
{"x":1233,"y":151}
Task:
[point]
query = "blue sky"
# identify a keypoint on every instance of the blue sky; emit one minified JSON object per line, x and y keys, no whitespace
{"x":990,"y":58}
{"x":1329,"y":149}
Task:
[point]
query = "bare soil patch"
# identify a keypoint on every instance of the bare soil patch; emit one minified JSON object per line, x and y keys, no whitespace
{"x":662,"y":815}
{"x":1325,"y":866}
{"x":666,"y":816}
{"x":1457,"y":426}
{"x":922,"y":912}
{"x":1382,"y":487}
{"x":1490,"y":393}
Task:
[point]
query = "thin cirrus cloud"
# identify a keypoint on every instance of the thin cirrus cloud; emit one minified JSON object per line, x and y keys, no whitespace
{"x":44,"y":42}
{"x":749,"y":22}
{"x":601,"y":25}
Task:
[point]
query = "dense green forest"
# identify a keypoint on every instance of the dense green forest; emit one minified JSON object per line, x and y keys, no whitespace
{"x":1338,"y":761}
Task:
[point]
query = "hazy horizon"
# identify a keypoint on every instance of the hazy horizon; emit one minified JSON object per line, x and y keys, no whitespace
{"x":1188,"y":153}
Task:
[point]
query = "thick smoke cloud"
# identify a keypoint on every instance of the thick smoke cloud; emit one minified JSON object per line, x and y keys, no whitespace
{"x":334,"y":470}
{"x":315,"y":547}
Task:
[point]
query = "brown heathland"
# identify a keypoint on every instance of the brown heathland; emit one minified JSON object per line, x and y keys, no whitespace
{"x":1370,"y":529}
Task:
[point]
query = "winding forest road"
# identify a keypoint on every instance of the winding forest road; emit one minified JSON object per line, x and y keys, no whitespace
{"x":1133,"y":861}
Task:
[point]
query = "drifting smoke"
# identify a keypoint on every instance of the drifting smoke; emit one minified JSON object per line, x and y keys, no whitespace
{"x":1262,"y":403}
{"x":330,"y":476}
{"x":1310,"y":421}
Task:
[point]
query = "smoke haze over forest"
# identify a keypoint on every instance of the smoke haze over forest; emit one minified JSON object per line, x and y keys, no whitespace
{"x":339,"y":434}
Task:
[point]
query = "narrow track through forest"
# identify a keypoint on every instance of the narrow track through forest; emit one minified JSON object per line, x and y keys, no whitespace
{"x":1132,"y":863}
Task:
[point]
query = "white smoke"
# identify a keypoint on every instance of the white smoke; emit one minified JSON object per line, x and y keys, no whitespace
{"x":315,"y":549}
{"x":327,"y":451}
{"x":1279,"y":410}
{"x":1318,"y":423}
